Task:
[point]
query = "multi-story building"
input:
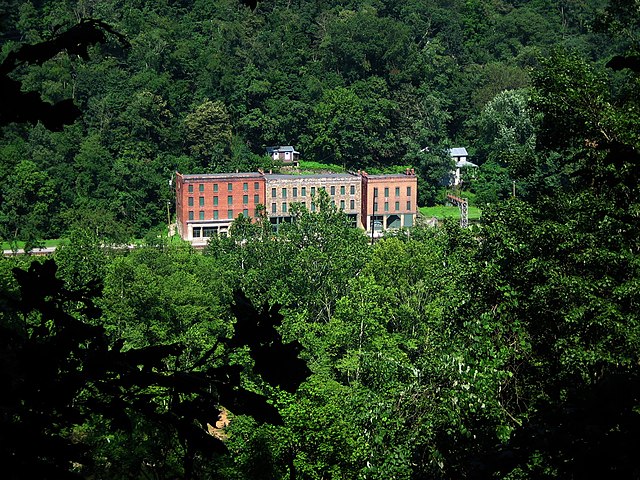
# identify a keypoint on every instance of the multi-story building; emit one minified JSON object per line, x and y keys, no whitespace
{"x":389,"y":201}
{"x":207,"y":204}
{"x":344,"y":190}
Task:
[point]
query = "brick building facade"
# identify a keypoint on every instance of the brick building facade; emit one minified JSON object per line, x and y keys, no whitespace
{"x":281,"y":191}
{"x":207,"y":204}
{"x":389,"y":201}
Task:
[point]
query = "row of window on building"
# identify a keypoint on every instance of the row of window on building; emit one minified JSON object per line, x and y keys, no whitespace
{"x":274,"y":207}
{"x":245,"y":187}
{"x":386,"y":206}
{"x":295,"y":190}
{"x":201,"y":200}
{"x":386,"y":192}
{"x":216,"y":214}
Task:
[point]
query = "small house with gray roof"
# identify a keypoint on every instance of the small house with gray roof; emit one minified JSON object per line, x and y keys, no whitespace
{"x":285,"y":154}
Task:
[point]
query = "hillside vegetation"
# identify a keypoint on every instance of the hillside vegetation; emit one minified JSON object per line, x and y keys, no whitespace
{"x":204,"y":86}
{"x":510,"y":349}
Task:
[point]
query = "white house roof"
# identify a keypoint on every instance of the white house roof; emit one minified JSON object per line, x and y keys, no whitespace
{"x":458,"y":152}
{"x":283,"y":148}
{"x":465,"y":163}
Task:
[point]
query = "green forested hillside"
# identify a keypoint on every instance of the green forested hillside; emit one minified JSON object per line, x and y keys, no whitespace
{"x":508,"y":350}
{"x":205,"y":85}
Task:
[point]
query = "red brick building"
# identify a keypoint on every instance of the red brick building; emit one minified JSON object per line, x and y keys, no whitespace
{"x":207,"y":204}
{"x":389,"y":201}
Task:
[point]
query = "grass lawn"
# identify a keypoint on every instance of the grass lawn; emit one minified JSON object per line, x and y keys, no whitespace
{"x":441,"y":212}
{"x":312,"y":167}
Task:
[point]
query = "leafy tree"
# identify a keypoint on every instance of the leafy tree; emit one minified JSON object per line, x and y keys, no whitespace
{"x":564,"y":265}
{"x":28,"y":198}
{"x":82,"y":263}
{"x":350,"y":125}
{"x":85,"y":380}
{"x":208,"y":131}
{"x":507,"y":128}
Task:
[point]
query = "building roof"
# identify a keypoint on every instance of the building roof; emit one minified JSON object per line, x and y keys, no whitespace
{"x":218,"y":176}
{"x":333,"y":176}
{"x":458,"y":152}
{"x":465,"y":163}
{"x":383,"y":176}
{"x":282,"y":148}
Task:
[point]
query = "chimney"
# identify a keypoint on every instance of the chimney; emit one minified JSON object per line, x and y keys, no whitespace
{"x":413,"y":171}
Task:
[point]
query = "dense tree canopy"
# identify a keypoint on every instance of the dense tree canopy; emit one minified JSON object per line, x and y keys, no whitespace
{"x":507,"y":350}
{"x":205,"y":85}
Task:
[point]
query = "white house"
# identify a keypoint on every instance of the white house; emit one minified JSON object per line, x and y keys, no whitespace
{"x":459,"y":155}
{"x":286,"y":154}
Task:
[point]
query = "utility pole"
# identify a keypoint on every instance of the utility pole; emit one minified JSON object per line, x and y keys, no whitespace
{"x":168,"y":219}
{"x":372,"y":228}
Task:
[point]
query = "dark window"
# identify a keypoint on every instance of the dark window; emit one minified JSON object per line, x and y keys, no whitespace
{"x":408,"y":191}
{"x":409,"y":205}
{"x":190,"y":188}
{"x":386,"y":192}
{"x":273,"y":208}
{"x":284,"y":193}
{"x":215,"y":214}
{"x":245,"y":200}
{"x":341,"y":204}
{"x":201,"y":201}
{"x":397,"y":191}
{"x":375,"y":207}
{"x":375,"y":192}
{"x":245,"y":212}
{"x":295,"y":192}
{"x":245,"y":187}
{"x":342,"y":189}
{"x":386,"y":206}
{"x":284,"y":207}
{"x":201,"y":187}
{"x":215,"y":200}
{"x":215,"y":187}
{"x":201,"y":215}
{"x":353,"y":189}
{"x":230,"y":214}
{"x":304,"y":191}
{"x":256,"y":199}
{"x":230,"y":187}
{"x":333,"y":190}
{"x":397,"y":206}
{"x":313,"y":191}
{"x":190,"y":202}
{"x":273,"y":193}
{"x":352,"y":204}
{"x":230,"y":200}
{"x":190,"y":215}
{"x":256,"y":185}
